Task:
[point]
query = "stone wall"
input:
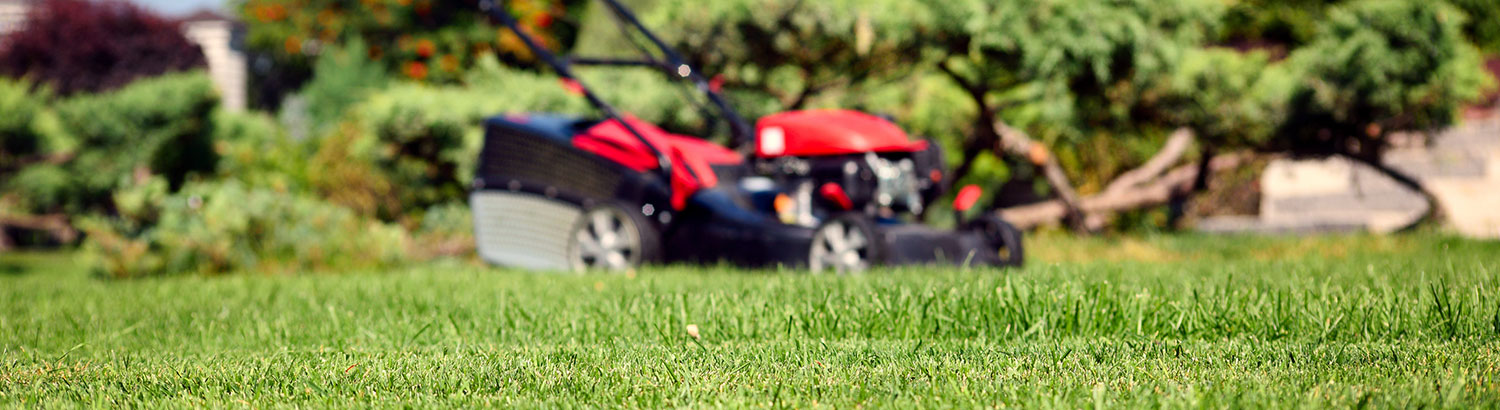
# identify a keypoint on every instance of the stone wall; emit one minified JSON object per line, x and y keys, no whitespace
{"x":1461,"y":166}
{"x":12,"y":15}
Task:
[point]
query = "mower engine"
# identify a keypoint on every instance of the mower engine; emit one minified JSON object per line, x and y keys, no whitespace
{"x":830,"y":162}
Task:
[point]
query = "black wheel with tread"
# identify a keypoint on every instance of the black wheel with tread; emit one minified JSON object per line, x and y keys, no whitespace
{"x":1004,"y":238}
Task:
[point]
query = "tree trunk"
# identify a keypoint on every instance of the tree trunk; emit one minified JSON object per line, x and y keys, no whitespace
{"x":1180,"y":203}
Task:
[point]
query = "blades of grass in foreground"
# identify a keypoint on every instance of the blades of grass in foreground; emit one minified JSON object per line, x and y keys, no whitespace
{"x":1414,"y":322}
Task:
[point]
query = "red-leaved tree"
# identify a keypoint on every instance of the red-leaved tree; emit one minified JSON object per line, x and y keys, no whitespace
{"x":89,"y":46}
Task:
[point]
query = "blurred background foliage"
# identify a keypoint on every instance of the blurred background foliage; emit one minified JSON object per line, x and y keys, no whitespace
{"x":369,"y":160}
{"x":418,"y":40}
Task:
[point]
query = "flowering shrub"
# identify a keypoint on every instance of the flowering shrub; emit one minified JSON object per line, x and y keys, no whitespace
{"x":421,"y":39}
{"x":90,"y":46}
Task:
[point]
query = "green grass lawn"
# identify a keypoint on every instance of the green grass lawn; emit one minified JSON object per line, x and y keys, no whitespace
{"x":1191,"y":321}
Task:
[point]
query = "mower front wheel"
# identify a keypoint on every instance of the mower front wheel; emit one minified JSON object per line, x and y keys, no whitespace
{"x":612,"y":237}
{"x":846,"y":243}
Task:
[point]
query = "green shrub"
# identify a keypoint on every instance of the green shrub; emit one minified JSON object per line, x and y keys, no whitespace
{"x":446,"y":230}
{"x":164,"y":123}
{"x":159,"y":126}
{"x":1296,"y":22}
{"x":342,"y":77}
{"x":257,"y":151}
{"x":19,"y":108}
{"x":1484,"y":23}
{"x":30,"y":141}
{"x":226,"y":226}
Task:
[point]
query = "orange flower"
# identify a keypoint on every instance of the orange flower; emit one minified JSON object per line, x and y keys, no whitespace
{"x":293,"y":45}
{"x":425,"y":48}
{"x":542,"y":20}
{"x":449,"y":63}
{"x":328,"y":17}
{"x":416,"y":70}
{"x":269,"y":12}
{"x":510,"y":43}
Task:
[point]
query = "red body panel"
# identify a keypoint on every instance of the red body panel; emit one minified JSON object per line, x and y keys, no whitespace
{"x":829,"y":132}
{"x":612,"y":141}
{"x":710,"y":152}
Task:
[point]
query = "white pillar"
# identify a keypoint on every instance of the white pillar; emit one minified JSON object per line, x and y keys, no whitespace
{"x":225,"y":65}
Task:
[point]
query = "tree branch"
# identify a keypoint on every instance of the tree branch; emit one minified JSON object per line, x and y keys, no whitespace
{"x":1017,"y":143}
{"x":975,"y":91}
{"x":54,"y":224}
{"x":994,"y":134}
{"x":1177,"y":145}
{"x":808,"y":91}
{"x":49,"y":159}
{"x":1177,"y":181}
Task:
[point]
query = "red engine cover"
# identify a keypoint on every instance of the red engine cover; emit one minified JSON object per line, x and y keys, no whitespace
{"x":829,"y":132}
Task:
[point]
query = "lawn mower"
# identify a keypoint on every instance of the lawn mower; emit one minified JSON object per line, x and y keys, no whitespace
{"x":827,"y":190}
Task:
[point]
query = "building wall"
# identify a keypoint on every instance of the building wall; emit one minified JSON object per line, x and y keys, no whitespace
{"x":12,"y":15}
{"x":225,"y":64}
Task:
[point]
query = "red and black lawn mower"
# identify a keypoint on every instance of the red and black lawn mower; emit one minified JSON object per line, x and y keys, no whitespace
{"x":824,"y":189}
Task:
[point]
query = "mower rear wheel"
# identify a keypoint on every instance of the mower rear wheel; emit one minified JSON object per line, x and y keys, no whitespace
{"x":611,"y":237}
{"x":845,"y":244}
{"x":1004,"y":238}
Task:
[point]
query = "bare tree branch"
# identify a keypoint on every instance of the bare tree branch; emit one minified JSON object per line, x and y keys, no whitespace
{"x":1177,"y":145}
{"x":1178,"y":180}
{"x":49,"y":159}
{"x":1017,"y":143}
{"x":54,"y":224}
{"x":1004,"y":140}
{"x":973,"y":89}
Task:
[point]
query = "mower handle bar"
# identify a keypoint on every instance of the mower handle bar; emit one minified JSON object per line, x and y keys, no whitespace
{"x":619,"y":62}
{"x":739,"y":128}
{"x":564,"y":70}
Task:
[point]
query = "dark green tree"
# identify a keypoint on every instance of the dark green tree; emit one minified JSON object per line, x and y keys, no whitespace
{"x":1379,"y":67}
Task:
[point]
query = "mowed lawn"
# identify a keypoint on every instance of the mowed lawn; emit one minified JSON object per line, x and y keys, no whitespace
{"x":1185,"y":321}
